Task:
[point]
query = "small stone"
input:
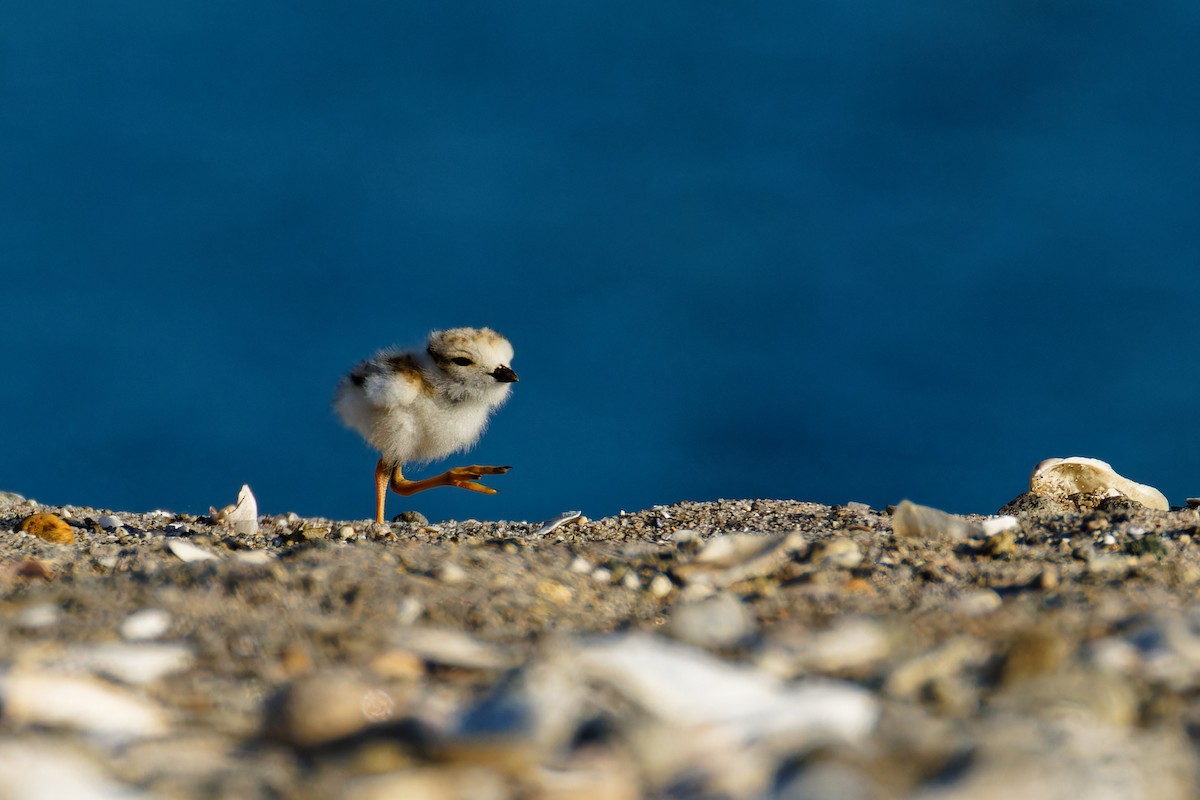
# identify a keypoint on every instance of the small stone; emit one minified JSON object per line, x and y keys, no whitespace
{"x":944,"y":662}
{"x":660,"y":586}
{"x":35,"y":568}
{"x":408,"y":611}
{"x":729,"y":558}
{"x":854,"y":505}
{"x":314,"y":531}
{"x":602,"y":575}
{"x":137,"y":663}
{"x":1048,"y":580}
{"x":979,"y":602}
{"x":631,"y":581}
{"x":853,"y":645}
{"x":149,"y":623}
{"x":449,"y":572}
{"x":36,"y":617}
{"x":580,"y":565}
{"x":452,"y":648}
{"x":827,"y":780}
{"x":696,"y":694}
{"x":49,"y":527}
{"x":41,"y":767}
{"x":254,"y":558}
{"x":1001,"y":545}
{"x":1108,"y":566}
{"x":426,"y":783}
{"x":839,"y":552}
{"x":921,"y":522}
{"x":411,"y":518}
{"x":398,"y":665}
{"x":720,"y":621}
{"x":326,"y":706}
{"x":110,"y":522}
{"x":1036,"y":651}
{"x":1193,"y":502}
{"x":346,"y":533}
{"x":555,"y":592}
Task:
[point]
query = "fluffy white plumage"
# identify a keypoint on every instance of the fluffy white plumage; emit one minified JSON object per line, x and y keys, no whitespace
{"x":422,"y":405}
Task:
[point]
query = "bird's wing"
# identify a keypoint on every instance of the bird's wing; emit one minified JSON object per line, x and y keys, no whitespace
{"x":391,"y":389}
{"x":390,"y":379}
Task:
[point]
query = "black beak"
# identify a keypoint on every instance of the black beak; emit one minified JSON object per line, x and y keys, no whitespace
{"x":504,"y":374}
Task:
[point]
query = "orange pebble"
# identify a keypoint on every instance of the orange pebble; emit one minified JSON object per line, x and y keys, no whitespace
{"x":49,"y":527}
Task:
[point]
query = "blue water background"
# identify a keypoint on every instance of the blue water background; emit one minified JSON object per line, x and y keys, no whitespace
{"x":822,"y":250}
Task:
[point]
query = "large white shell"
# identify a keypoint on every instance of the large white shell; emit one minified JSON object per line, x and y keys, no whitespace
{"x":1059,"y":478}
{"x":242,"y":517}
{"x":79,"y":702}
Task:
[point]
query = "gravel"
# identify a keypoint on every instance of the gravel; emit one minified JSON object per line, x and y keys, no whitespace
{"x":754,"y":648}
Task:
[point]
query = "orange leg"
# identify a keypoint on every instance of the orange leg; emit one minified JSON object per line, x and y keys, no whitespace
{"x":462,"y":477}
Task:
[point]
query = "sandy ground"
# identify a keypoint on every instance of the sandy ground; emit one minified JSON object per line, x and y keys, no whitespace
{"x":753,"y":648}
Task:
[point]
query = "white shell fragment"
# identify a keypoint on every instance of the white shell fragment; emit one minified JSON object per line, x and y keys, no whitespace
{"x":242,"y":517}
{"x":688,"y":688}
{"x":921,"y":522}
{"x":40,"y":768}
{"x":149,"y":623}
{"x":554,"y":522}
{"x":732,"y":557}
{"x":452,"y":648}
{"x":132,"y":663}
{"x":41,"y":615}
{"x":1060,"y":478}
{"x":110,"y":522}
{"x":254,"y":558}
{"x":189,"y":552}
{"x":994,"y":525}
{"x":81,"y":703}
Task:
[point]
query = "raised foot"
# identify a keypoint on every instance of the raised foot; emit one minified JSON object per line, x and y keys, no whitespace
{"x":465,"y":477}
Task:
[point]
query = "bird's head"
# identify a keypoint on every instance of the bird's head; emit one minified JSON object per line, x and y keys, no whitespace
{"x":475,"y":362}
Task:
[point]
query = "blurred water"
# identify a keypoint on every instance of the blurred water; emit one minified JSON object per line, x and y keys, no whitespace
{"x":829,"y":251}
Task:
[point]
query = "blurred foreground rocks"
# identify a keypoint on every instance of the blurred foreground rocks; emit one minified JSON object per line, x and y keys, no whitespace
{"x":735,"y":649}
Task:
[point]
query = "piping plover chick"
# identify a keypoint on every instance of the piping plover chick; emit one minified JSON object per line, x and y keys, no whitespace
{"x":421,"y":405}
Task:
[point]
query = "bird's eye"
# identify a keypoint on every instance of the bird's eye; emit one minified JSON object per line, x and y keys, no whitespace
{"x":462,"y":361}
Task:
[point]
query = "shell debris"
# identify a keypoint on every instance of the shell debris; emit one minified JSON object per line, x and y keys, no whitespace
{"x":242,"y":517}
{"x":1078,"y":477}
{"x":554,"y":522}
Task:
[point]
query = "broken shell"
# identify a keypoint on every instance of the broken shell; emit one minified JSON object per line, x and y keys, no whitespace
{"x":837,"y":552}
{"x":994,"y":525}
{"x":452,"y":648}
{"x":49,"y":527}
{"x":732,"y":557}
{"x":110,"y":522}
{"x":242,"y":517}
{"x":921,"y":522}
{"x":81,"y":703}
{"x":1060,"y":478}
{"x":149,"y":623}
{"x":554,"y":522}
{"x":188,"y":552}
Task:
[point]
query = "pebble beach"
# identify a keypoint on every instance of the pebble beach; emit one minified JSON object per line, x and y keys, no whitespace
{"x":728,"y":649}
